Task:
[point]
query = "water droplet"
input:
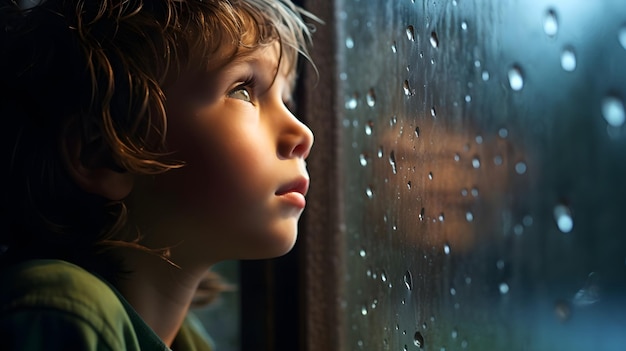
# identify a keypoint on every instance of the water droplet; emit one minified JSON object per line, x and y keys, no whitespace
{"x":408,"y":185}
{"x":474,"y":192}
{"x":369,"y":192}
{"x":362,"y":253}
{"x":410,"y":33}
{"x":518,"y":229}
{"x":476,"y":162}
{"x":527,"y":220}
{"x":468,"y":98}
{"x":394,"y":48}
{"x":349,"y":42}
{"x":479,"y":139}
{"x":392,"y":162}
{"x":550,"y":23}
{"x":371,"y":98}
{"x":454,"y":334}
{"x":364,"y":310}
{"x":485,"y":76}
{"x":383,"y":276}
{"x":520,"y":168}
{"x":621,"y":36}
{"x":434,"y":41}
{"x":417,"y":132}
{"x":453,"y":291}
{"x":457,"y":157}
{"x":430,"y":175}
{"x":504,"y":288}
{"x":380,"y":153}
{"x":516,"y":79}
{"x":477,"y":64}
{"x":363,"y":159}
{"x":500,"y":264}
{"x":469,"y":216}
{"x":407,"y":88}
{"x":343,"y":76}
{"x":563,"y":218}
{"x":408,"y":280}
{"x":433,"y":112}
{"x":464,"y":344}
{"x":352,"y":102}
{"x":464,"y":25}
{"x":568,"y":59}
{"x":421,"y":214}
{"x":374,"y":303}
{"x":446,"y":249}
{"x":589,"y":293}
{"x":369,"y":127}
{"x":464,"y":192}
{"x":418,"y":340}
{"x":393,"y":120}
{"x":503,"y":133}
{"x":613,"y":111}
{"x":497,"y":160}
{"x":441,"y":217}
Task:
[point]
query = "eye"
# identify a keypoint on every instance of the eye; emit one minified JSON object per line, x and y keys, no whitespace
{"x":241,"y":92}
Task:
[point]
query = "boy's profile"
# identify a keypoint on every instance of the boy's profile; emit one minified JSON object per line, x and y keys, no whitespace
{"x":143,"y":142}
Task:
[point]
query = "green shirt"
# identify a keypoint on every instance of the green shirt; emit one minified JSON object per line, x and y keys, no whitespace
{"x":55,"y":305}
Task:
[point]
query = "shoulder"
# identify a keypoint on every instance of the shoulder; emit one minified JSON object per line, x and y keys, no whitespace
{"x":41,"y":295}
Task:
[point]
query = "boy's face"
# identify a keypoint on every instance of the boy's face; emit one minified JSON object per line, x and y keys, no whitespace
{"x":241,"y":191}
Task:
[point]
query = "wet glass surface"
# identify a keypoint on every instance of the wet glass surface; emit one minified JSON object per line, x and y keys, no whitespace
{"x":484,"y":162}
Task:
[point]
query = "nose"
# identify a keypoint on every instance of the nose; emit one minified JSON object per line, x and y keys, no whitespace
{"x":295,"y":140}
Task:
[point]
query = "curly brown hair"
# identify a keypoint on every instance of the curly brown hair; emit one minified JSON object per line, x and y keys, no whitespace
{"x":96,"y":71}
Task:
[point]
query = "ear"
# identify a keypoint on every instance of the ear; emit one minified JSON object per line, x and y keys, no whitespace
{"x":91,"y":174}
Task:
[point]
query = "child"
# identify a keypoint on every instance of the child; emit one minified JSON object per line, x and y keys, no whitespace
{"x":144,"y":142}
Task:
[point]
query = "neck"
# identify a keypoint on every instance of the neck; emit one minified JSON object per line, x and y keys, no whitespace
{"x":160,"y":292}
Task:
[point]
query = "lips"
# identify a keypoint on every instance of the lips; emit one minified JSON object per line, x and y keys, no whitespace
{"x":299,"y":185}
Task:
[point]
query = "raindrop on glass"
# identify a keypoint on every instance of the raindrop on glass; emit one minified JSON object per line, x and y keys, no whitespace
{"x":474,"y":192}
{"x":380,"y":152}
{"x":485,"y":76}
{"x":503,"y":133}
{"x":476,"y":162}
{"x":407,"y":88}
{"x":418,"y":340}
{"x":392,"y":162}
{"x":393,"y":120}
{"x":441,"y":217}
{"x":433,"y":112}
{"x":349,"y":43}
{"x":457,"y":157}
{"x":421,"y":214}
{"x":383,"y":276}
{"x":453,"y":291}
{"x":454,"y":334}
{"x":352,"y":102}
{"x":394,"y":49}
{"x":479,"y":139}
{"x":550,"y":23}
{"x":468,"y":98}
{"x":613,"y":111}
{"x":464,"y":25}
{"x":500,"y":264}
{"x":563,"y":218}
{"x":410,"y":33}
{"x":446,"y":249}
{"x":369,"y":127}
{"x":562,"y":310}
{"x":568,"y":59}
{"x":363,"y":159}
{"x":520,"y":168}
{"x":371,"y":98}
{"x":408,"y":280}
{"x":364,"y":310}
{"x":516,"y":79}
{"x":504,"y":288}
{"x":369,"y":192}
{"x":469,"y":216}
{"x":430,"y":175}
{"x":434,"y":41}
{"x":362,"y":253}
{"x":497,"y":160}
{"x":408,"y":185}
{"x":417,"y":132}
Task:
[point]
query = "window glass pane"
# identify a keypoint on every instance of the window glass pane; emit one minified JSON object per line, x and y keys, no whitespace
{"x":484,"y":162}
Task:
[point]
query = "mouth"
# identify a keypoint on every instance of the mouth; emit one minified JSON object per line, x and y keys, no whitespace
{"x":293,"y":192}
{"x":299,"y":185}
